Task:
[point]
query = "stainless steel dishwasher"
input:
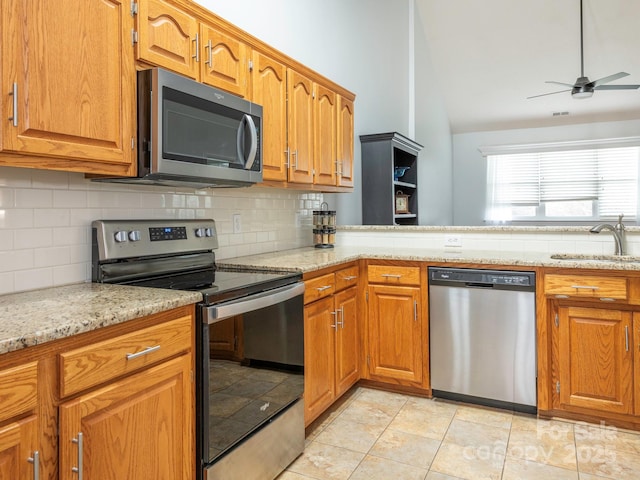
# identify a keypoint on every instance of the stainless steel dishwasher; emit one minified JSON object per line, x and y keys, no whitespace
{"x":483,"y":336}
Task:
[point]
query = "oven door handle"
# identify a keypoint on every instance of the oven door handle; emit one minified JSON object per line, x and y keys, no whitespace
{"x":219,"y":312}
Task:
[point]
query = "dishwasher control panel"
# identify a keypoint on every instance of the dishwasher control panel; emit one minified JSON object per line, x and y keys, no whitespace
{"x":481,"y":277}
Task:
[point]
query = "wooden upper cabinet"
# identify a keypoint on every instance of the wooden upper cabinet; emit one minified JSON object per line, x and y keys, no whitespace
{"x":168,"y":37}
{"x":68,"y":85}
{"x":324,"y":121}
{"x":300,"y":123}
{"x":345,"y":142}
{"x":269,"y":89}
{"x":595,"y":359}
{"x":172,"y":38}
{"x":223,"y":61}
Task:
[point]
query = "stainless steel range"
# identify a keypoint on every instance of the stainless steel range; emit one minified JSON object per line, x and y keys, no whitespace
{"x":250,"y":355}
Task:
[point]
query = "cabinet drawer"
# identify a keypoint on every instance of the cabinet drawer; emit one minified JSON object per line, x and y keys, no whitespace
{"x":18,"y":390}
{"x":586,"y":286}
{"x":346,"y":277}
{"x":393,"y":275}
{"x":319,"y":287}
{"x":94,"y":364}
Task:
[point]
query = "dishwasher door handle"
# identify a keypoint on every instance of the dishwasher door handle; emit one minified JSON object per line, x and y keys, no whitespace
{"x":478,"y":285}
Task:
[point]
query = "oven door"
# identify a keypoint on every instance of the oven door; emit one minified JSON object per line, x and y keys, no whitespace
{"x":251,"y":356}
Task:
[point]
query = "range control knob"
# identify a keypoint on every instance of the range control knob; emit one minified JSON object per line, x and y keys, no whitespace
{"x":200,"y":232}
{"x":134,"y":235}
{"x":120,"y":236}
{"x":208,"y":232}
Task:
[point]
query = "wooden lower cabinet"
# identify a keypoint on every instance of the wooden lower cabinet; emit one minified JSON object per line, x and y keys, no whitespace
{"x":319,"y":358}
{"x":395,"y":339}
{"x":133,"y":404}
{"x":595,"y":362}
{"x":331,"y":339}
{"x":18,"y":442}
{"x":347,"y":340}
{"x":138,"y":427}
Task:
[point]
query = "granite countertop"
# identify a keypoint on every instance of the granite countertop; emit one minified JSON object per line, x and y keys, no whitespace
{"x":309,"y":259}
{"x":39,"y":316}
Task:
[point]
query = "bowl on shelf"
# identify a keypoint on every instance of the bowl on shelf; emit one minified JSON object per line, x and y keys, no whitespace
{"x":399,"y":172}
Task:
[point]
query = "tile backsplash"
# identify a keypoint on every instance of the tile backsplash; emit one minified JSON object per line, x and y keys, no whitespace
{"x":45,"y":219}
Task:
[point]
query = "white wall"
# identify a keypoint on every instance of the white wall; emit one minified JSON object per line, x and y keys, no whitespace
{"x":434,"y":132}
{"x":469,"y":167}
{"x":360,"y":44}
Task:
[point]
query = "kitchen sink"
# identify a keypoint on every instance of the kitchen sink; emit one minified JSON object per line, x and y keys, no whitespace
{"x":577,"y":257}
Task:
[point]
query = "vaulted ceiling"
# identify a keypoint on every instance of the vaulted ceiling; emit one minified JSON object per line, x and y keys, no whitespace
{"x":490,"y":55}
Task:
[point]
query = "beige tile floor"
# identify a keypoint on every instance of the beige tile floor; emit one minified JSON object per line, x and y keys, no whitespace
{"x":376,"y":435}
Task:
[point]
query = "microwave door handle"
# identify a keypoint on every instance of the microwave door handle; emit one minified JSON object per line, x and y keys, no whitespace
{"x":251,"y":157}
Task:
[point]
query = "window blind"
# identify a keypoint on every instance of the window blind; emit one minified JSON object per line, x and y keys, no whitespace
{"x":607,"y":176}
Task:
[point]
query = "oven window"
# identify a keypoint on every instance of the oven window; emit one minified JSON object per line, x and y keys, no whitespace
{"x":255,"y":371}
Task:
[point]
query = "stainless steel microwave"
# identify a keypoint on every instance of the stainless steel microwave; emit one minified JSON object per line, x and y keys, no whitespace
{"x":191,"y":134}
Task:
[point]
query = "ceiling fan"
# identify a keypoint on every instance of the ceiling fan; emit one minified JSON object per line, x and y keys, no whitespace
{"x":583,"y":87}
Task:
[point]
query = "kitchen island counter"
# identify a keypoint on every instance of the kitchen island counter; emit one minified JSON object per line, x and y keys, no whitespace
{"x":310,"y":259}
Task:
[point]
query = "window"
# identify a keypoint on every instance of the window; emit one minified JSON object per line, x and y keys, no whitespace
{"x":586,"y":184}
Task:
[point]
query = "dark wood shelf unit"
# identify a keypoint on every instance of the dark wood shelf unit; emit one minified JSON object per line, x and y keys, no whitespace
{"x":381,"y":154}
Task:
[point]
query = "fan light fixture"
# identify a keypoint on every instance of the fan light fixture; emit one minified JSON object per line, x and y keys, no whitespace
{"x":583,"y":87}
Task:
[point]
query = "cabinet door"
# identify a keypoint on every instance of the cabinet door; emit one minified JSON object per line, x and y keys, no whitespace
{"x":167,"y":37}
{"x":138,"y":427}
{"x":18,"y":442}
{"x":225,"y":338}
{"x":347,"y":340}
{"x":319,"y":354}
{"x":595,"y":359}
{"x":68,"y":85}
{"x":635,"y":349}
{"x":269,"y":89}
{"x":300,"y":122}
{"x":324,"y":122}
{"x":395,"y":338}
{"x":345,"y":142}
{"x":223,"y":61}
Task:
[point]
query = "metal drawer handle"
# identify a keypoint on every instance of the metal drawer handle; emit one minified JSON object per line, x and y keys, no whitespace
{"x":14,"y":93}
{"x":562,"y":296}
{"x":341,"y":322}
{"x":335,"y":315}
{"x":607,"y":299}
{"x":146,"y":351}
{"x":78,"y":469}
{"x":35,"y":460}
{"x":350,"y":277}
{"x":585,"y":287}
{"x":197,"y":54}
{"x":626,"y":338}
{"x":209,"y":48}
{"x":389,"y":275}
{"x":322,"y":289}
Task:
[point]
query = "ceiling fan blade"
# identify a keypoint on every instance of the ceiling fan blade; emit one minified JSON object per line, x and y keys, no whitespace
{"x":545,"y":94}
{"x":570,"y":85}
{"x":616,"y":87}
{"x":608,"y":79}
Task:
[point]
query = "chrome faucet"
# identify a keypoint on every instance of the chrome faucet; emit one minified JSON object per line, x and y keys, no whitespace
{"x":618,"y":234}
